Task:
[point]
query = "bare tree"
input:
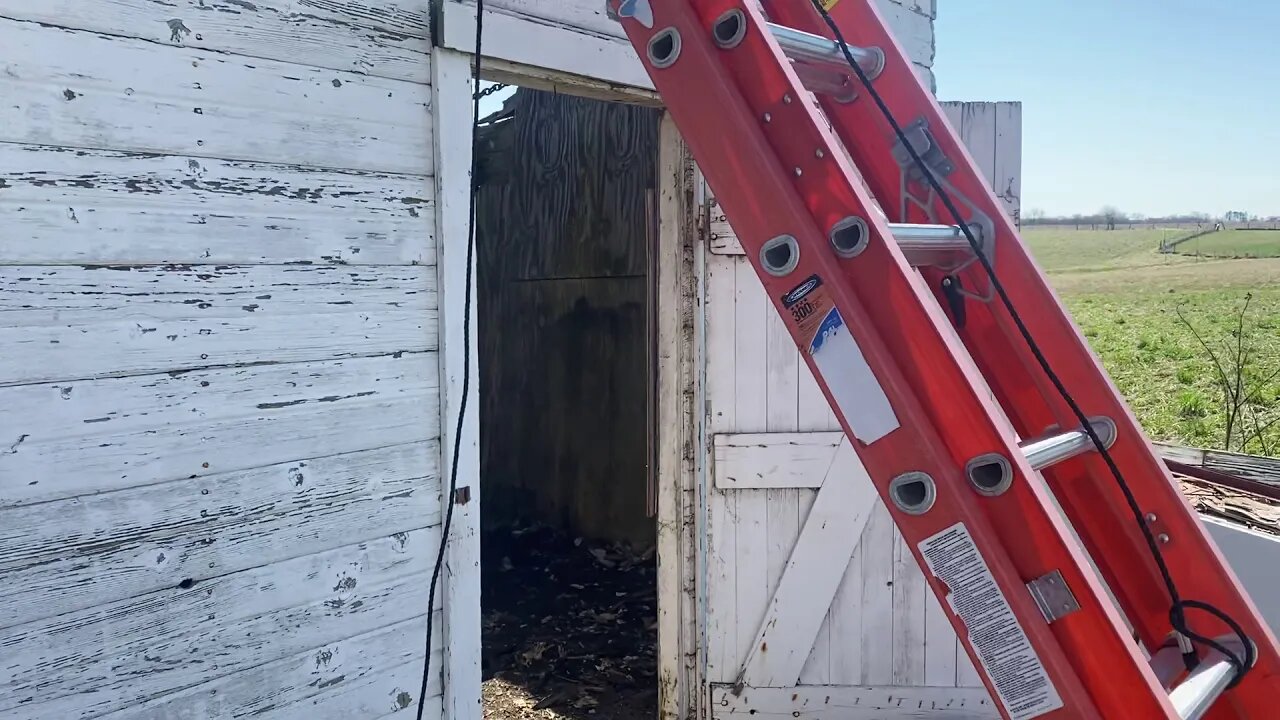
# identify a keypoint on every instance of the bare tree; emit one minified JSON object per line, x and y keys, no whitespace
{"x":1111,"y":215}
{"x":1035,"y":216}
{"x":1243,"y":383}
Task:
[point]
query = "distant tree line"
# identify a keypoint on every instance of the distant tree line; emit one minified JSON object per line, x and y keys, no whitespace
{"x":1111,"y":217}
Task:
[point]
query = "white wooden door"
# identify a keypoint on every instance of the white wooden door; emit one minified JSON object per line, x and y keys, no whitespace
{"x":812,"y":606}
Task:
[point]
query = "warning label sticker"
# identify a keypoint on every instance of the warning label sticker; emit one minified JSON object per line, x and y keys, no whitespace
{"x":1023,"y":686}
{"x":840,"y":362}
{"x":809,"y":302}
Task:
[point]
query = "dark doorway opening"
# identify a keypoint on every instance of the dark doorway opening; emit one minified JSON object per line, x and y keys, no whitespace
{"x":566,"y":223}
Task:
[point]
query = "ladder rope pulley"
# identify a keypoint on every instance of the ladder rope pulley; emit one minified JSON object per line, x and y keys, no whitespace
{"x":853,"y":223}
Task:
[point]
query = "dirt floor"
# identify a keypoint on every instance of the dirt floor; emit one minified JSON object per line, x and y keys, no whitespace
{"x":569,"y":628}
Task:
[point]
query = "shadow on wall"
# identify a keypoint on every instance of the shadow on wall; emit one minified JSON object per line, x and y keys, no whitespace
{"x":561,"y":218}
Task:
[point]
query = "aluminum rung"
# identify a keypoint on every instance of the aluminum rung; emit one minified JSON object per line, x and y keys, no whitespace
{"x":810,"y":48}
{"x":1193,"y":698}
{"x":926,"y":245}
{"x":1052,"y":449}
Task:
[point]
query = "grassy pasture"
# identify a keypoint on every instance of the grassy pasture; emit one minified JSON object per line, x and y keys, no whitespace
{"x":1235,"y":244}
{"x":1125,"y":296}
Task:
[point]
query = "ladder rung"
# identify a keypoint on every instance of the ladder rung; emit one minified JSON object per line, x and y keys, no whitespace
{"x":1193,"y":698}
{"x":807,"y":47}
{"x":925,"y":245}
{"x":1052,"y":449}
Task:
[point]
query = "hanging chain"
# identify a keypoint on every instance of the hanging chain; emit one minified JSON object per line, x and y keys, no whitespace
{"x":489,"y":90}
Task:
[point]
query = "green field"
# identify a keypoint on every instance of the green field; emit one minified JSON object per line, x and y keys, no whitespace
{"x":1235,"y":244}
{"x":1124,"y":294}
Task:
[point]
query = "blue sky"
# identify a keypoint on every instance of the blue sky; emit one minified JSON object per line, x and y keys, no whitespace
{"x":1155,"y":106}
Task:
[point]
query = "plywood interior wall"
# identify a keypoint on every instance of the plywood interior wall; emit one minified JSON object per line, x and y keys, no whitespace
{"x":563,"y":278}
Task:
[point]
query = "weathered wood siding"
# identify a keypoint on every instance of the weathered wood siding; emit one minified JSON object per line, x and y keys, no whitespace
{"x":562,"y":239}
{"x":219,"y":385}
{"x":577,"y":37}
{"x":811,"y":591}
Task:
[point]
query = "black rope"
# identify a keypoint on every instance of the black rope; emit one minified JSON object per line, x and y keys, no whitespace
{"x":449,"y":499}
{"x":1177,"y":614}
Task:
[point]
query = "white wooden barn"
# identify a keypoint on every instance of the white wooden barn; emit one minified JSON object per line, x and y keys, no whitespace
{"x":231,"y":345}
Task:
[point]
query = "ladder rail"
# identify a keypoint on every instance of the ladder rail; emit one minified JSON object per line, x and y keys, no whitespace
{"x":943,"y":455}
{"x":1086,"y":490}
{"x":763,"y":141}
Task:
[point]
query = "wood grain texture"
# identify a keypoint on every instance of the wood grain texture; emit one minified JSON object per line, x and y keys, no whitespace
{"x":107,"y":207}
{"x":383,"y":38}
{"x":564,"y":281}
{"x":678,"y":389}
{"x":564,"y":46}
{"x":805,"y":586}
{"x":852,"y":703}
{"x":70,"y":323}
{"x":577,"y":37}
{"x":81,"y":89}
{"x":460,"y":671}
{"x":106,"y":658}
{"x":68,"y":555}
{"x":357,"y":677}
{"x":85,"y":438}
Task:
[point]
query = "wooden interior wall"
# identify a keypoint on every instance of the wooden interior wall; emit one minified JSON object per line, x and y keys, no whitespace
{"x":219,"y":377}
{"x":563,"y":278}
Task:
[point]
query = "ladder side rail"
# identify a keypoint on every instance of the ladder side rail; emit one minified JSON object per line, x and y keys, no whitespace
{"x":1096,"y":509}
{"x":751,"y":165}
{"x":1085,"y":486}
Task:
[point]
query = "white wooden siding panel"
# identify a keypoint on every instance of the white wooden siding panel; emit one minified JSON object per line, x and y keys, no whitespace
{"x":82,"y":438}
{"x":577,"y":37}
{"x":876,"y":588}
{"x":81,"y":89}
{"x":384,"y":38}
{"x":68,"y":555}
{"x":721,"y":591}
{"x":751,"y":506}
{"x":65,"y":323}
{"x":1006,"y":178}
{"x":909,"y":639}
{"x":107,"y":657}
{"x":799,"y":602}
{"x":101,"y":206}
{"x":357,"y":677}
{"x":459,"y":358}
{"x":852,"y":703}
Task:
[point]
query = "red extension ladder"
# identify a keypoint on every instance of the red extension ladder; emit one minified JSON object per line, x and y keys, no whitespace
{"x":1077,"y":576}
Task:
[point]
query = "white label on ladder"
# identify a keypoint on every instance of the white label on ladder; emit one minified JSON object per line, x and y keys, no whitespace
{"x":857,"y":393}
{"x":1020,"y":680}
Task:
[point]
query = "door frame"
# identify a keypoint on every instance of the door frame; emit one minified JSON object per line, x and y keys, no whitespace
{"x":677,"y":424}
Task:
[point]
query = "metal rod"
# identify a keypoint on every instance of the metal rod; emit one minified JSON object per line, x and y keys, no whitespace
{"x":808,"y":47}
{"x":1193,"y":698}
{"x":932,"y":237}
{"x":1046,"y":451}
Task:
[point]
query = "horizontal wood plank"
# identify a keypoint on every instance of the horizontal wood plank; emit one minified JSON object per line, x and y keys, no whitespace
{"x":103,"y":659}
{"x":106,"y":207}
{"x":774,"y":460}
{"x":358,"y":677}
{"x":853,"y":703}
{"x":1256,"y":468}
{"x":68,"y":555}
{"x":85,"y":438}
{"x":546,"y":38}
{"x":71,"y":322}
{"x":384,"y":38}
{"x":81,"y":89}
